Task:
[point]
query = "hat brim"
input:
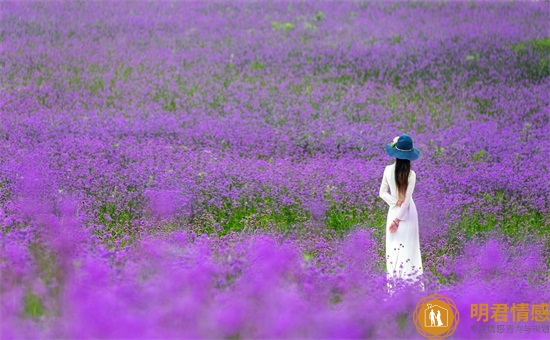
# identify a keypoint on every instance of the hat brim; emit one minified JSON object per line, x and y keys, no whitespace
{"x":410,"y":155}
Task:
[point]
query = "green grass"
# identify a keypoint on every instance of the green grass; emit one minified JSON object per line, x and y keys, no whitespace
{"x":282,"y":26}
{"x":341,"y":217}
{"x":541,"y":68}
{"x":46,"y":262}
{"x":256,"y":213}
{"x":508,"y":219}
{"x":402,"y":321}
{"x":118,"y":221}
{"x":34,"y":307}
{"x":475,"y":224}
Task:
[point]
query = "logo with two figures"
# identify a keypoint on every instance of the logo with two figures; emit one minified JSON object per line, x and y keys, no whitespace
{"x":436,"y":316}
{"x":433,"y":316}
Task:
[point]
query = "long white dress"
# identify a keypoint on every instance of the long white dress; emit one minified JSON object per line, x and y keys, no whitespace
{"x":403,"y":257}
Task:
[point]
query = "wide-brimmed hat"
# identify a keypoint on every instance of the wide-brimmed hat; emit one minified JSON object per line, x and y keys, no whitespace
{"x":402,"y":148}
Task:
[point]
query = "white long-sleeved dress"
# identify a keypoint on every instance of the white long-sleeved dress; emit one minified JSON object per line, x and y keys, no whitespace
{"x":403,"y":258}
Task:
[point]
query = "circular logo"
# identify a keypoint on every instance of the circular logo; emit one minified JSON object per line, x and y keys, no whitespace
{"x":436,"y":316}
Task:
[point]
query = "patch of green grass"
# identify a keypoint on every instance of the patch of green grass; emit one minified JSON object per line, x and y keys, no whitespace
{"x":341,"y":218}
{"x":480,"y":156}
{"x":483,"y":106}
{"x":166,"y":98}
{"x":541,"y":45}
{"x":319,"y":16}
{"x":118,"y":221}
{"x":335,"y":296}
{"x":124,"y":72}
{"x":96,"y":84}
{"x":518,"y":47}
{"x":34,"y":307}
{"x":46,"y":262}
{"x":518,"y":225}
{"x":477,"y":224}
{"x":309,"y":26}
{"x":540,"y":69}
{"x":343,"y":79}
{"x":472,"y":57}
{"x":256,"y":213}
{"x":308,"y":256}
{"x":284,"y":26}
{"x":256,"y":65}
{"x":512,"y":223}
{"x":397,"y":39}
{"x":402,"y":319}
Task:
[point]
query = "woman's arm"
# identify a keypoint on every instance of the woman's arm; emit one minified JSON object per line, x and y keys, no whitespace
{"x":408,"y":197}
{"x":384,"y":194}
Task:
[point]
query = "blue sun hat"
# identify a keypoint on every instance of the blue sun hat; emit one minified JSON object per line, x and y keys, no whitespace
{"x":402,"y":148}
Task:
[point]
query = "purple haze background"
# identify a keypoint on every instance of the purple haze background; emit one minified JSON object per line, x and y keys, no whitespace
{"x":202,"y":169}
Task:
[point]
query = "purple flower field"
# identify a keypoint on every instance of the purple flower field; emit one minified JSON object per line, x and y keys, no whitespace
{"x":177,"y":169}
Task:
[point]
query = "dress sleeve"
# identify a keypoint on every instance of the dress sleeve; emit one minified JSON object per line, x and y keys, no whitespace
{"x":384,"y":194}
{"x":408,"y":196}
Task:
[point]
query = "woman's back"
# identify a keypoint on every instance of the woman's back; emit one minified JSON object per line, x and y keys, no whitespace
{"x":390,"y":175}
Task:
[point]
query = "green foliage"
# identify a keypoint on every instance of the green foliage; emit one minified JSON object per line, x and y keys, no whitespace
{"x":34,"y":307}
{"x":342,"y":217}
{"x":402,"y":319}
{"x":118,"y":220}
{"x":256,"y":65}
{"x":541,"y":68}
{"x":540,"y":45}
{"x":308,"y":256}
{"x":343,"y":79}
{"x":75,"y":81}
{"x":518,"y":47}
{"x":167,"y":98}
{"x":310,"y":26}
{"x":255,"y":213}
{"x":319,"y":16}
{"x":526,"y":131}
{"x":96,"y":84}
{"x":483,"y":106}
{"x":480,"y":156}
{"x":125,"y":73}
{"x":282,"y":26}
{"x":335,"y":296}
{"x":509,"y":220}
{"x":46,"y":263}
{"x":397,"y":39}
{"x":477,"y":224}
{"x":513,"y":221}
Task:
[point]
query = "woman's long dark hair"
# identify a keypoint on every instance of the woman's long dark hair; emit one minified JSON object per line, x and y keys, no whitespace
{"x":402,"y":169}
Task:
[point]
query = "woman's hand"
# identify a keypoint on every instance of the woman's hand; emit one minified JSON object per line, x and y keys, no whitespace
{"x":393,"y":227}
{"x":399,"y":202}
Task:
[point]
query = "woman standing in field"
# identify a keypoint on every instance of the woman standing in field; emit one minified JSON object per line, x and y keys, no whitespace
{"x":403,"y":258}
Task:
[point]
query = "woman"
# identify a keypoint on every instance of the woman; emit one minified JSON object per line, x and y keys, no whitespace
{"x":439,"y":323}
{"x":403,"y":258}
